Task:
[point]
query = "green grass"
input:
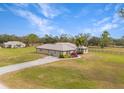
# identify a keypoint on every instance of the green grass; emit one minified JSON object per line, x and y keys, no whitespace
{"x":18,"y":55}
{"x":92,"y":70}
{"x":111,"y":57}
{"x":108,"y":49}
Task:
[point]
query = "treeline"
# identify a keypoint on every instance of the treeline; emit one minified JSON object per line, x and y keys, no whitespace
{"x":81,"y":39}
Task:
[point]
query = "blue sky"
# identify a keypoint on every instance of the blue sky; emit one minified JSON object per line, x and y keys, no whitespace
{"x":55,"y":19}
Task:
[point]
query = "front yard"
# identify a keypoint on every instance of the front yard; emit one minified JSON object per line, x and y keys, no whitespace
{"x":92,"y":70}
{"x":18,"y":55}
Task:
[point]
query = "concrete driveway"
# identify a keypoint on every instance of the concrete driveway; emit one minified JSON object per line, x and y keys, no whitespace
{"x":3,"y":87}
{"x":15,"y":67}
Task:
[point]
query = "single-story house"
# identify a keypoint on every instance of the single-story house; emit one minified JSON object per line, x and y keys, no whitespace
{"x":13,"y":44}
{"x":57,"y":49}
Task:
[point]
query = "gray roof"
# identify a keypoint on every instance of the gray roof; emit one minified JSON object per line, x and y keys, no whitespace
{"x":59,"y":46}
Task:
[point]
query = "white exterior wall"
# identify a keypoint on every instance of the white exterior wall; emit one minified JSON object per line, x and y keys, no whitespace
{"x":14,"y":45}
{"x":86,"y":51}
{"x":82,"y":50}
{"x":57,"y":53}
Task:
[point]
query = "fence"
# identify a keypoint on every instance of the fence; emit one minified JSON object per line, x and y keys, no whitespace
{"x":106,"y":51}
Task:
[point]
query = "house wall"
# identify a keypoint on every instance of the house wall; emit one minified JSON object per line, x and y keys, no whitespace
{"x":86,"y":51}
{"x":57,"y":53}
{"x":42,"y":51}
{"x":48,"y":52}
{"x":53,"y":52}
{"x":14,"y":45}
{"x":81,"y":50}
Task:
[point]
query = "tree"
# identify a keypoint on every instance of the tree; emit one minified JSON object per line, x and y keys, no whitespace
{"x":94,"y":41}
{"x":79,"y":40}
{"x":63,"y":38}
{"x":5,"y":38}
{"x":87,"y":37}
{"x":49,"y":39}
{"x":121,"y":12}
{"x":82,"y":39}
{"x":105,"y":40}
{"x":31,"y":39}
{"x":121,"y":41}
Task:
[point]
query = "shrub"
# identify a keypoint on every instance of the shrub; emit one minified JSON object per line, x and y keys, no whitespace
{"x":64,"y":56}
{"x":61,"y":56}
{"x":80,"y":52}
{"x":74,"y":54}
{"x":67,"y":56}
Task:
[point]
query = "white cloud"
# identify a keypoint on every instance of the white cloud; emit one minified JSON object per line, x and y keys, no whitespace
{"x":109,"y":23}
{"x":103,"y":21}
{"x":49,"y":11}
{"x":108,"y":26}
{"x":96,"y":31}
{"x":115,"y":18}
{"x":44,"y":25}
{"x":88,"y":30}
{"x":92,"y":30}
{"x":62,"y":31}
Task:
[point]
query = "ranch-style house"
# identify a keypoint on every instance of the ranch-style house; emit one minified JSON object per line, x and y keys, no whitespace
{"x":60,"y":48}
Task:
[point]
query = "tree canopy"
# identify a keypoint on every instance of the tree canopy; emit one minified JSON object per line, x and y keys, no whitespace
{"x":121,"y":12}
{"x":82,"y":39}
{"x":105,"y":39}
{"x":79,"y":40}
{"x":32,"y":38}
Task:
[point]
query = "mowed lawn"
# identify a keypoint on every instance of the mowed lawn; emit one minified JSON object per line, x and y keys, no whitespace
{"x":10,"y":56}
{"x":92,"y":70}
{"x":108,"y":49}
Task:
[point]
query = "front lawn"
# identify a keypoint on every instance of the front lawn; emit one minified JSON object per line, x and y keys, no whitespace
{"x":10,"y":56}
{"x":92,"y":70}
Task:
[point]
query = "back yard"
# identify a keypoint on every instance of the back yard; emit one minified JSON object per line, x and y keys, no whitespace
{"x":92,"y":70}
{"x":13,"y":56}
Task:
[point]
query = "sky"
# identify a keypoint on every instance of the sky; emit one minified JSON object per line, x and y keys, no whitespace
{"x":55,"y":19}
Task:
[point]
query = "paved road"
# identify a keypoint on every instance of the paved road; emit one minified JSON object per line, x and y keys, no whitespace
{"x":15,"y":67}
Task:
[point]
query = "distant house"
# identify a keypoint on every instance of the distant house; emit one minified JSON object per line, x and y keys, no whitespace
{"x":14,"y":44}
{"x":57,"y":49}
